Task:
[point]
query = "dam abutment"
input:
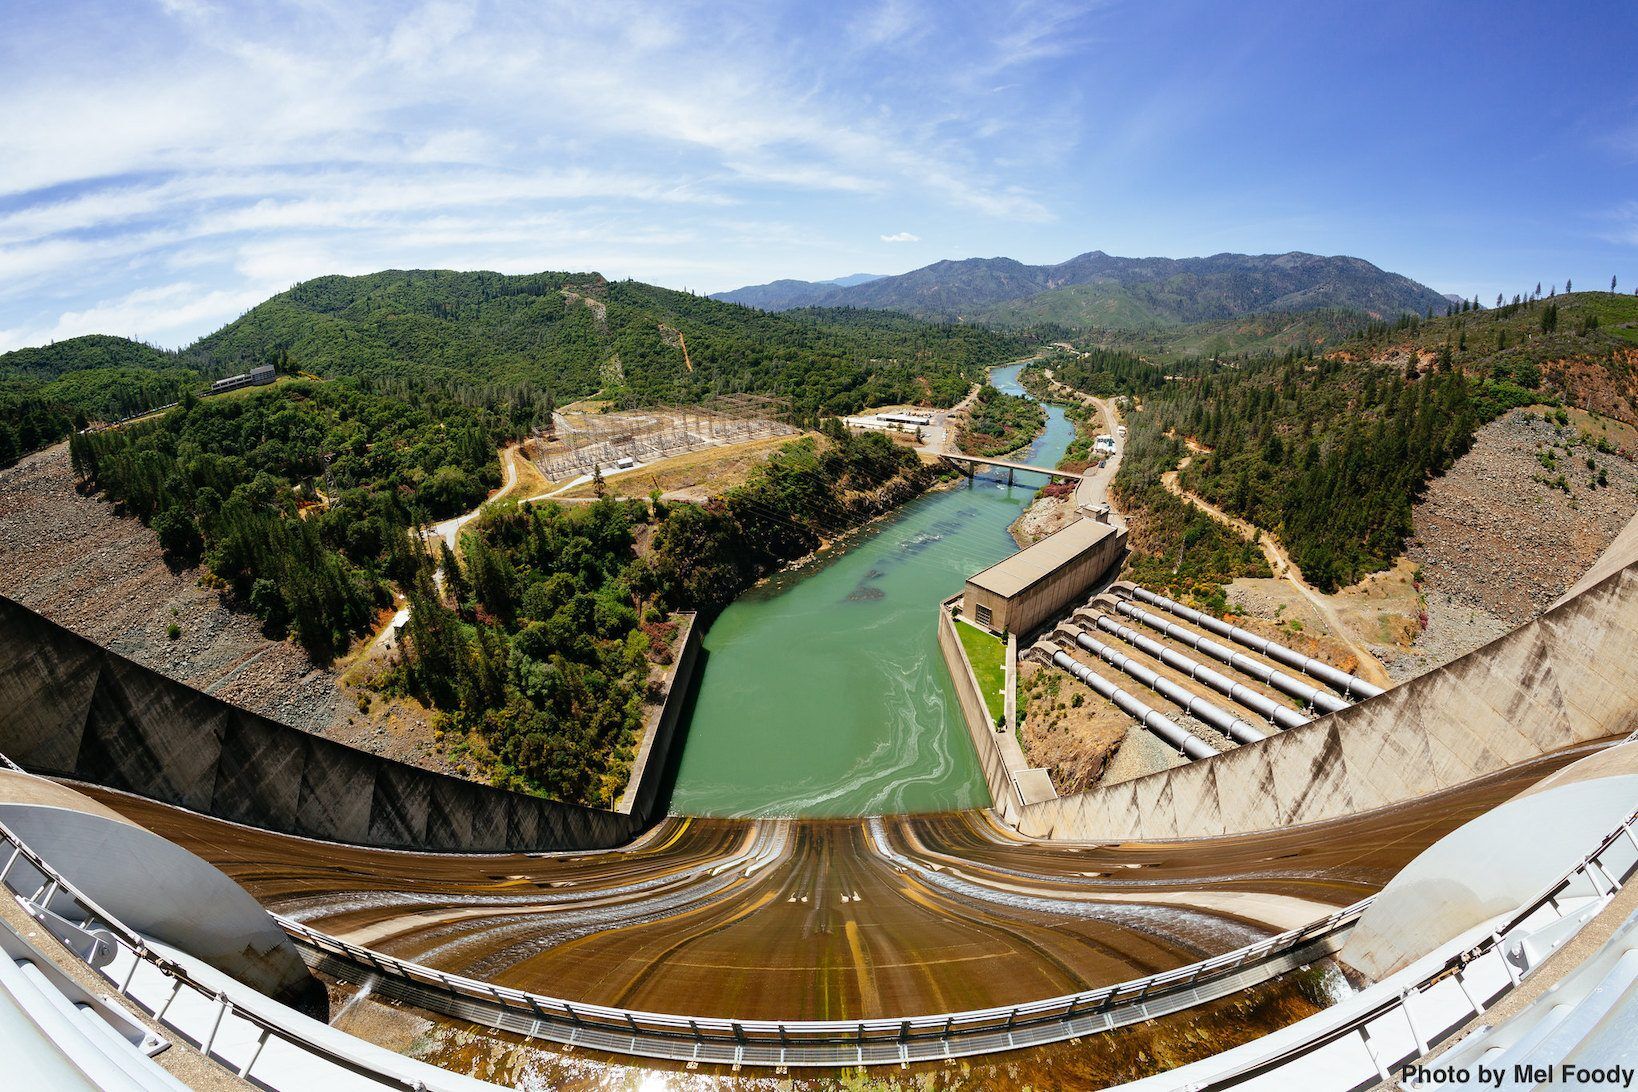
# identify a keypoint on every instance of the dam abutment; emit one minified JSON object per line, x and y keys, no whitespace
{"x":1562,"y":679}
{"x":71,"y":709}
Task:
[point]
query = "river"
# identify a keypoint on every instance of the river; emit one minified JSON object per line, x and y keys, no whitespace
{"x":824,"y":693}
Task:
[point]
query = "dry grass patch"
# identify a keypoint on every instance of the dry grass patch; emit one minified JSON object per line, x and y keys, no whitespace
{"x":531,"y":482}
{"x":695,"y":475}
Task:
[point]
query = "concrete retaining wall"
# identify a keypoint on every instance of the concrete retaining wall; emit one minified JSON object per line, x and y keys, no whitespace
{"x":999,"y":755}
{"x":648,"y":769}
{"x":70,"y":708}
{"x":1567,"y":677}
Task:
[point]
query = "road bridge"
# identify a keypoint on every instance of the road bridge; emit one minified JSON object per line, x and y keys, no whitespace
{"x":969,"y":464}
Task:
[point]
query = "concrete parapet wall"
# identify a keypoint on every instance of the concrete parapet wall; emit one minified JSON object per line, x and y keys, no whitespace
{"x":998,"y":752}
{"x":1567,"y":677}
{"x":70,"y":708}
{"x":152,"y":885}
{"x":648,"y":769}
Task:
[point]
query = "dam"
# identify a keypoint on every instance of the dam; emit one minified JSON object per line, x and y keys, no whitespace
{"x":1390,"y":871}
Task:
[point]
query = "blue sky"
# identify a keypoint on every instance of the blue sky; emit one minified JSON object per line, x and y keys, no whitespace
{"x":164,"y":166}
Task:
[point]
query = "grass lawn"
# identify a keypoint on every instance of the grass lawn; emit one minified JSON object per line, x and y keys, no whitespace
{"x":988,"y":657}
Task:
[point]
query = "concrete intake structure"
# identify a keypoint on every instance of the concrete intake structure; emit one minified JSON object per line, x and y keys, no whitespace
{"x":1265,"y":706}
{"x":1322,"y":700}
{"x":1349,"y":685}
{"x":1198,"y":707}
{"x":1162,"y":726}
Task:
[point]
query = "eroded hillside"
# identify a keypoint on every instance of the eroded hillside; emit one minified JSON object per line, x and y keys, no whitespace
{"x":70,"y":557}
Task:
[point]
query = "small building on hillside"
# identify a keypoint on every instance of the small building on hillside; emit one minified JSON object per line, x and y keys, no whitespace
{"x":1025,"y":591}
{"x":882,"y":422}
{"x":260,"y":376}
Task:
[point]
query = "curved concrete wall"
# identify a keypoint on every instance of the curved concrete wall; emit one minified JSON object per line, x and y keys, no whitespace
{"x":1495,"y":864}
{"x":70,"y":708}
{"x":1567,"y":677}
{"x":156,"y":887}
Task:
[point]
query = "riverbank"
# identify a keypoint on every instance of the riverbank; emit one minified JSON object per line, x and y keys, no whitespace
{"x":1060,"y":504}
{"x":823,"y":691}
{"x":1050,"y":743}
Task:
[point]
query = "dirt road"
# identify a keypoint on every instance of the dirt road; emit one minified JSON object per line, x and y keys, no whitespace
{"x":1370,"y":668}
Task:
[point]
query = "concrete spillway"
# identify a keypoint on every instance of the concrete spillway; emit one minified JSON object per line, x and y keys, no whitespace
{"x":705,"y":908}
{"x":911,"y":915}
{"x":690,"y":919}
{"x":861,"y":920}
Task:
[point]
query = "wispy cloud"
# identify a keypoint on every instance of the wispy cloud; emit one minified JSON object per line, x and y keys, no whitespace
{"x":901,"y":237}
{"x":235,"y":148}
{"x":1622,"y":224}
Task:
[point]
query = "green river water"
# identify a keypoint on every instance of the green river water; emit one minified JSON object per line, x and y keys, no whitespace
{"x":823,"y":693}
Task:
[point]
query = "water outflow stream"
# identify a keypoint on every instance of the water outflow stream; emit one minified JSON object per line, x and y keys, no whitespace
{"x":824,"y":693}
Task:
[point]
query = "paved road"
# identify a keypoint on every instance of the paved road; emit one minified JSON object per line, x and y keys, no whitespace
{"x":1094,"y":487}
{"x":1095,"y":484}
{"x":449,"y":530}
{"x":936,"y":438}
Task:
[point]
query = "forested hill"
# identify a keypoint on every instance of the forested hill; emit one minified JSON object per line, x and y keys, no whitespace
{"x":89,"y":353}
{"x":522,"y":342}
{"x":1331,"y":448}
{"x":1098,"y":289}
{"x":574,"y":334}
{"x":47,"y":391}
{"x":1581,"y":347}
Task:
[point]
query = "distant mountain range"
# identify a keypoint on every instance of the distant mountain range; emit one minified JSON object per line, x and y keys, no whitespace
{"x":852,"y":279}
{"x":784,"y":295}
{"x":1100,"y":290}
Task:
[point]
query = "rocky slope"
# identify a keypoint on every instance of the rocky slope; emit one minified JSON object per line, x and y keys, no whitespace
{"x":71,"y":558}
{"x":1510,"y":527}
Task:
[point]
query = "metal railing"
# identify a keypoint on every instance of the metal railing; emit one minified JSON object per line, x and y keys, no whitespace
{"x":1591,"y":871}
{"x":99,"y":939}
{"x":780,"y":1043}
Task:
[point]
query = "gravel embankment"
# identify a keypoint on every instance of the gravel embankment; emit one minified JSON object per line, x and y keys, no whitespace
{"x":1498,"y":539}
{"x":72,"y":559}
